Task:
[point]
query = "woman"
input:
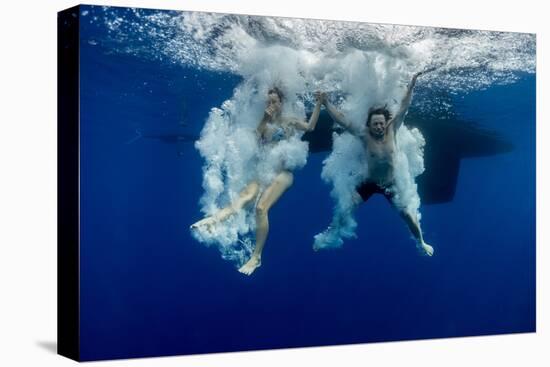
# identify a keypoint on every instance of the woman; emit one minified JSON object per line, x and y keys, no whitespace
{"x":272,"y":130}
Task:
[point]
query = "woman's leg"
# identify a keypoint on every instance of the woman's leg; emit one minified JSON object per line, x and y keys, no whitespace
{"x":269,"y":197}
{"x":246,"y":196}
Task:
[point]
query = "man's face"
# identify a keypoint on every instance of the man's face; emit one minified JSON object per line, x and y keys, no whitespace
{"x":377,"y":125}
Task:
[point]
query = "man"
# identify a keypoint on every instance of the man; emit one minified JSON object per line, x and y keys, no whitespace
{"x":379,"y":141}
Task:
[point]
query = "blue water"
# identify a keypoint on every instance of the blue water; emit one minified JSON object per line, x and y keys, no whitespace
{"x":148,"y":288}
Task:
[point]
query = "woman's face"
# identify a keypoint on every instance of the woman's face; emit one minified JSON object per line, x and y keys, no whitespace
{"x":273,"y":97}
{"x":274,"y":102}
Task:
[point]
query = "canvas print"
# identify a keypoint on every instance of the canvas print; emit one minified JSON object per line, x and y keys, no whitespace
{"x":233,"y":182}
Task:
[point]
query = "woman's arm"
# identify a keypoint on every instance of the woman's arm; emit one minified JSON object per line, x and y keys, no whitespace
{"x":268,"y":115}
{"x":310,"y":126}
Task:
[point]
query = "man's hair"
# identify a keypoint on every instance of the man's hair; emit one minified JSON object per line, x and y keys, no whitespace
{"x":278,"y":92}
{"x":379,"y":111}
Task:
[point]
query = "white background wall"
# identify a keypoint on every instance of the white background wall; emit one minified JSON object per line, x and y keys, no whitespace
{"x":28,"y":184}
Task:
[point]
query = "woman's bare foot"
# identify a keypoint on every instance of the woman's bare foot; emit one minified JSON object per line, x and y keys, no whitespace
{"x":426,"y":249}
{"x":250,"y":265}
{"x":204,"y":225}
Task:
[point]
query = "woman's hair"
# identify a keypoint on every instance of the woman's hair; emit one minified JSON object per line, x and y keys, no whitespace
{"x":379,"y":111}
{"x":278,"y":92}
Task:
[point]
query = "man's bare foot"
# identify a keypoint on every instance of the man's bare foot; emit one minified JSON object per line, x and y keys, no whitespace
{"x":250,"y":265}
{"x":426,"y":249}
{"x":205,"y":224}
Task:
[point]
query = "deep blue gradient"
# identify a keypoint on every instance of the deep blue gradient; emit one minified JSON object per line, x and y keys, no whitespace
{"x":148,"y":288}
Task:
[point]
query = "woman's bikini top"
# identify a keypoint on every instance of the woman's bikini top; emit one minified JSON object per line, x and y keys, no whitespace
{"x":274,"y":133}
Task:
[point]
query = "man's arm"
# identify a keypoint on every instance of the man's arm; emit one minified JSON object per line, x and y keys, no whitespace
{"x":335,"y":114}
{"x":310,"y":126}
{"x":397,"y":120}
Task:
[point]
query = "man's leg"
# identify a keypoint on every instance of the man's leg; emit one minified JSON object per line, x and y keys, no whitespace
{"x":414,"y":226}
{"x":246,"y":196}
{"x":340,"y":226}
{"x":270,"y":196}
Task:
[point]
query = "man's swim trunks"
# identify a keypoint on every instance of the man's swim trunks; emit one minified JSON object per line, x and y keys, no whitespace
{"x":368,"y":188}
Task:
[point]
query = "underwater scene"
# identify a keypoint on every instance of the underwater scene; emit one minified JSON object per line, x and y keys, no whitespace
{"x":254,"y":182}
